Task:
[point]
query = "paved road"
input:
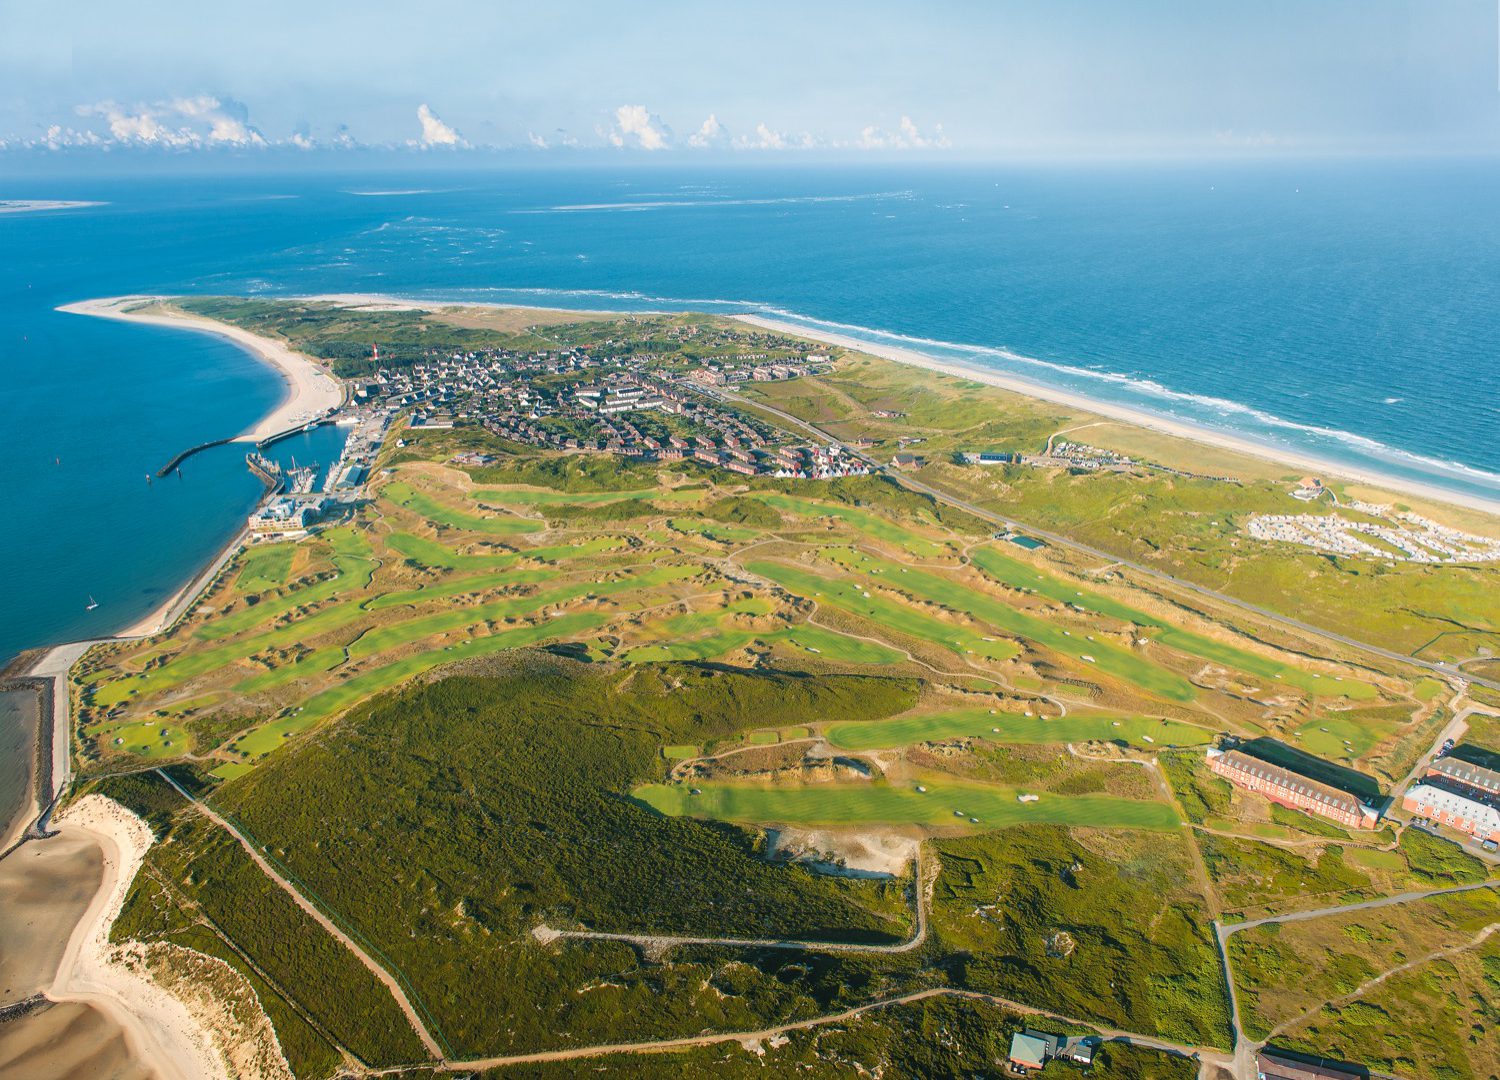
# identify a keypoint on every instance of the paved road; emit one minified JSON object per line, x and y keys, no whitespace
{"x":1385,"y":901}
{"x":1150,"y":571}
{"x":317,"y":915}
{"x":1454,"y":730}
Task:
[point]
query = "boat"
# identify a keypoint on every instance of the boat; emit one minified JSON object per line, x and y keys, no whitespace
{"x":92,"y":604}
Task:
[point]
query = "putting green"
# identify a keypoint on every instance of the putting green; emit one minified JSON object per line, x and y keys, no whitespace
{"x":1022,"y":575}
{"x":944,"y":803}
{"x":1015,"y":728}
{"x":265,"y":566}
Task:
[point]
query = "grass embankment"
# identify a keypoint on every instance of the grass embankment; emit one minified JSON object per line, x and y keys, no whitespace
{"x":1141,"y":732}
{"x":447,"y":821}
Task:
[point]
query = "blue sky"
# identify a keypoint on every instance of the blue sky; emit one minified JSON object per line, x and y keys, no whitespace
{"x":969,"y":80}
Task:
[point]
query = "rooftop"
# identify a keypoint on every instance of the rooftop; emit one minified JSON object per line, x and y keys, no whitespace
{"x":1326,"y":794}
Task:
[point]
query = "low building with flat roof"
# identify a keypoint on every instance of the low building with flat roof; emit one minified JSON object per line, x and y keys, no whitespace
{"x":1450,"y":804}
{"x":1282,"y":785}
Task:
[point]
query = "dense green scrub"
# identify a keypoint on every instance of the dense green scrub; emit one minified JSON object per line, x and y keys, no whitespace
{"x":448,"y":821}
{"x":206,"y":865}
{"x":939,"y":1038}
{"x":1039,"y":917}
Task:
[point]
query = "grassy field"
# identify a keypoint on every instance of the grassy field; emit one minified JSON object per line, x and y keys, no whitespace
{"x":945,"y":803}
{"x":957,"y":596}
{"x":1015,"y":728}
{"x":1021,"y":575}
{"x":444,"y":513}
{"x":1284,"y":971}
{"x":893,"y":614}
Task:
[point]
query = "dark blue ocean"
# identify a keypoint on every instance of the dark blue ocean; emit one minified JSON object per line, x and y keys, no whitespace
{"x":1351,"y":309}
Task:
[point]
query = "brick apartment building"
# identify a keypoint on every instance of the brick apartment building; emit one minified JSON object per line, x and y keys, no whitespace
{"x":1292,"y":789}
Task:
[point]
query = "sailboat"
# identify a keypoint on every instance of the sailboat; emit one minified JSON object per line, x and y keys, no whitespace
{"x":92,"y":604}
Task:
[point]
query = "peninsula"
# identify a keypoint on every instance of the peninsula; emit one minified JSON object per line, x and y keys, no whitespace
{"x":665,"y":691}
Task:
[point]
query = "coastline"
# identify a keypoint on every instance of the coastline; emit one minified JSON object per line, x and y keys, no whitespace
{"x":310,"y":391}
{"x":1294,"y":459}
{"x":161,"y":1030}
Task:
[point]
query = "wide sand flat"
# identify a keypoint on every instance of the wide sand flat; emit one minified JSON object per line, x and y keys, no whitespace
{"x":45,"y":888}
{"x":71,"y":1041}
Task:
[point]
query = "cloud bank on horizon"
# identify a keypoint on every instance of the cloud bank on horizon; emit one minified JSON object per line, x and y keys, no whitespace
{"x":455,"y":76}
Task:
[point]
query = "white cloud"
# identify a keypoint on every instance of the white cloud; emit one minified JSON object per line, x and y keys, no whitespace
{"x":709,"y":135}
{"x":763,"y":139}
{"x":435,"y":132}
{"x":636,"y":123}
{"x":907,"y":136}
{"x":181,"y":123}
{"x":536,"y":140}
{"x":228,"y":121}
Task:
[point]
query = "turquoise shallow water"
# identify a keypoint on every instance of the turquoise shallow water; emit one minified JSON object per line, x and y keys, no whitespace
{"x":1347,"y":309}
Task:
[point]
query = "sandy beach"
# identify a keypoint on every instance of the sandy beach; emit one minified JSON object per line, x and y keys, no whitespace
{"x":1191,"y":432}
{"x":310,"y":390}
{"x":160,"y":1028}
